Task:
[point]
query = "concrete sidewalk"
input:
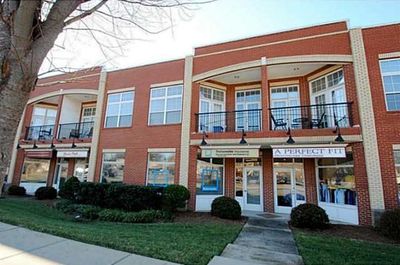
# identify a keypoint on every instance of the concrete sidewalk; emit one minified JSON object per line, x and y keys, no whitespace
{"x":20,"y":246}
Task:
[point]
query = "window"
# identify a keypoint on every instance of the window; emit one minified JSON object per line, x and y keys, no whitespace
{"x":390,"y":70}
{"x":35,"y":170}
{"x":119,"y":109}
{"x":81,"y":169}
{"x":88,"y":114}
{"x":165,"y":105}
{"x":336,"y":180}
{"x":210,"y":176}
{"x":212,"y":110}
{"x":281,"y":99}
{"x":43,"y":116}
{"x":161,"y":169}
{"x":113,"y":167}
{"x":248,"y":107}
{"x":397,"y":165}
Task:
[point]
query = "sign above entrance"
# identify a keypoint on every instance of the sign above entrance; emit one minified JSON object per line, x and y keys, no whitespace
{"x":309,"y":152}
{"x":230,"y":152}
{"x":72,"y":153}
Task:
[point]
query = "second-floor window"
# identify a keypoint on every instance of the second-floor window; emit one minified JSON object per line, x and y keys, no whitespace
{"x":165,"y":105}
{"x":119,"y":109}
{"x":390,"y":70}
{"x":43,"y":116}
{"x":212,"y":110}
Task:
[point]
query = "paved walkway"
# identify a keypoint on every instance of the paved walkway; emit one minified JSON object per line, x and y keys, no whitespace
{"x":265,"y":239}
{"x":20,"y":246}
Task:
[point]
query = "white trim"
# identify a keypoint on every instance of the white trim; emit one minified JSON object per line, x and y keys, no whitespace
{"x":397,"y":73}
{"x":248,"y":87}
{"x":11,"y":169}
{"x":212,"y":85}
{"x":284,"y":83}
{"x":119,"y":103}
{"x":207,"y":147}
{"x":171,"y":83}
{"x":324,"y":72}
{"x":161,"y":150}
{"x":114,"y":151}
{"x":250,"y":207}
{"x":120,"y":90}
{"x":165,"y":97}
{"x":211,"y":101}
{"x":390,"y":55}
{"x":63,"y":92}
{"x":396,"y":147}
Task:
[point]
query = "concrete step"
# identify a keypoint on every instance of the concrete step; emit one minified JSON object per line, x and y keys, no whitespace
{"x":260,"y":255}
{"x":218,"y":260}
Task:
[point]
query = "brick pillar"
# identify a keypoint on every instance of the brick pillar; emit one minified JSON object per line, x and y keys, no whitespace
{"x":265,"y":98}
{"x":268,"y":180}
{"x":71,"y":167}
{"x":52,"y":168}
{"x":310,"y":181}
{"x":192,"y":177}
{"x":18,"y":167}
{"x":230,"y":105}
{"x":230,"y":177}
{"x":361,"y":179}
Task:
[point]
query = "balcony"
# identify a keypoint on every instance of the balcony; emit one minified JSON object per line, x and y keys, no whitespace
{"x":311,"y":116}
{"x":229,"y":121}
{"x":80,"y":130}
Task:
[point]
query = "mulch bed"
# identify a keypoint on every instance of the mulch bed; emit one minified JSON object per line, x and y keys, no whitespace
{"x":366,"y":233}
{"x":203,"y":218}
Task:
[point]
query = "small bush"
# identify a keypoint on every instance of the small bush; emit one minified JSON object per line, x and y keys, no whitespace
{"x":175,"y":196}
{"x":16,"y":190}
{"x":69,"y":189}
{"x":226,"y":208}
{"x":46,"y":193}
{"x":309,"y":215}
{"x":145,"y":216}
{"x":389,"y":224}
{"x":88,"y":212}
{"x":64,"y":206}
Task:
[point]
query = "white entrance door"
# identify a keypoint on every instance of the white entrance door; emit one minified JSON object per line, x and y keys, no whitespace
{"x":289,"y":188}
{"x":61,"y":173}
{"x":252,"y":189}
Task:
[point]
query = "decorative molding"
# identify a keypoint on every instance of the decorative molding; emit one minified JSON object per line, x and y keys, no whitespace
{"x":324,"y":72}
{"x":63,"y":92}
{"x":212,"y":85}
{"x":226,"y":69}
{"x":171,"y":83}
{"x":122,"y":150}
{"x":161,"y":150}
{"x":246,"y":87}
{"x":284,"y":83}
{"x":120,"y":90}
{"x":389,"y":55}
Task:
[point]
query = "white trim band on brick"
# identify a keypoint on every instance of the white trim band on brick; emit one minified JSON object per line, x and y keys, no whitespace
{"x":120,"y":90}
{"x":171,"y":83}
{"x":161,"y":150}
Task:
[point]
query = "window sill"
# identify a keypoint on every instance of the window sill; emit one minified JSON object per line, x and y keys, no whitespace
{"x":168,"y":124}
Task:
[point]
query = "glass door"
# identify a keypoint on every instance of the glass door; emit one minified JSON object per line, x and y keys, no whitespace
{"x":61,"y":173}
{"x":252,"y":192}
{"x":289,"y":188}
{"x":248,"y":114}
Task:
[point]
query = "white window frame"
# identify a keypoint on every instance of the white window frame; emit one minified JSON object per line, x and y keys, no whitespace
{"x":119,"y":103}
{"x":223,"y":179}
{"x":383,"y":83}
{"x":211,"y":102}
{"x":245,"y":103}
{"x":165,"y":97}
{"x":327,"y":88}
{"x":287,"y":100}
{"x":85,"y":107}
{"x":102,"y":163}
{"x":45,"y":117}
{"x":164,"y":163}
{"x":396,"y":165}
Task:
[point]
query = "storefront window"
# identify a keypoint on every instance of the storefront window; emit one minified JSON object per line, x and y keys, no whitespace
{"x":161,"y":169}
{"x":35,"y":170}
{"x":81,"y":169}
{"x":113,"y":167}
{"x":337,"y":181}
{"x":210,"y":176}
{"x":397,"y":165}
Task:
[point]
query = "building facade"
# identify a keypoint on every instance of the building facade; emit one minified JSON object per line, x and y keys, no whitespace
{"x":306,"y":115}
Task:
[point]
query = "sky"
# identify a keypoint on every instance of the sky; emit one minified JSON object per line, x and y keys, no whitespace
{"x":221,"y":21}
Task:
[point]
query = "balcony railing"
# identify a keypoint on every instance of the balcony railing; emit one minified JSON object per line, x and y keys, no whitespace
{"x":229,"y":121}
{"x":311,"y":116}
{"x":79,"y":130}
{"x":43,"y":132}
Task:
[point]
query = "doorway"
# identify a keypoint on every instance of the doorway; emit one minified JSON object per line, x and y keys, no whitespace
{"x":289,"y":186}
{"x":61,"y":173}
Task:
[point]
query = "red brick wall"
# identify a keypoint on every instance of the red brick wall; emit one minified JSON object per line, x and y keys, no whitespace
{"x":230,"y":177}
{"x":140,"y":136}
{"x":268,"y":180}
{"x":310,"y":181}
{"x":378,"y":40}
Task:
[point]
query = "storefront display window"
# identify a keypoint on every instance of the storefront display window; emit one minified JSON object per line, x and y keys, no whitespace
{"x":35,"y":170}
{"x":397,"y":165}
{"x":81,"y":169}
{"x":113,"y":167}
{"x":161,"y":169}
{"x":337,"y":181}
{"x":210,"y":176}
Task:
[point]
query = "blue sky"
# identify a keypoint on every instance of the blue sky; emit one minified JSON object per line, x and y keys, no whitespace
{"x":225,"y":20}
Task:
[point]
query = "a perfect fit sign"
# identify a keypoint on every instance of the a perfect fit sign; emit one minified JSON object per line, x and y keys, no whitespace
{"x":323,"y":152}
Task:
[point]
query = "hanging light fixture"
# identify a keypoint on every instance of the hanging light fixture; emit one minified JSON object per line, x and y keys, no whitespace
{"x":73,"y":144}
{"x":243,"y":141}
{"x":52,"y":146}
{"x":203,"y":142}
{"x":290,"y":139}
{"x":34,"y":145}
{"x":339,"y":137}
{"x":18,"y":146}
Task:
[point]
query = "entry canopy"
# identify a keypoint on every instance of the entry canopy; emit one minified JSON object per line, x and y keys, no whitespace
{"x":230,"y":151}
{"x":309,"y":151}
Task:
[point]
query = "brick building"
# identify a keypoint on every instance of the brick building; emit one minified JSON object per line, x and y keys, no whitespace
{"x":305,"y":115}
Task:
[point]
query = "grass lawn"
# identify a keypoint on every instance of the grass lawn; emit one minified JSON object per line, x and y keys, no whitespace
{"x":324,"y":249}
{"x":187,"y":243}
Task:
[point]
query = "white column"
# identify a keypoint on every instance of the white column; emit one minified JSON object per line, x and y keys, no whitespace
{"x":11,"y":169}
{"x":186,"y":111}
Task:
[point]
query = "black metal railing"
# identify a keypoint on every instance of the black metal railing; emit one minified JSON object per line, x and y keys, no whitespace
{"x":229,"y":121}
{"x":311,"y":116}
{"x":79,"y":130}
{"x":43,"y":132}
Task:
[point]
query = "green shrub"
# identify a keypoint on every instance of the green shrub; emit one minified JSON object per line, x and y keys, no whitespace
{"x":46,"y":193}
{"x":226,"y":208}
{"x":389,"y":224}
{"x":145,"y":216}
{"x":92,"y":193}
{"x":309,"y":215}
{"x":175,"y":196}
{"x":65,"y":206}
{"x":69,"y":189}
{"x":132,"y":197}
{"x":84,"y":211}
{"x":16,"y":190}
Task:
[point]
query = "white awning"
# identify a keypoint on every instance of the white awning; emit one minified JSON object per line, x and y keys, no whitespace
{"x":309,"y":151}
{"x":75,"y":153}
{"x":230,"y":151}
